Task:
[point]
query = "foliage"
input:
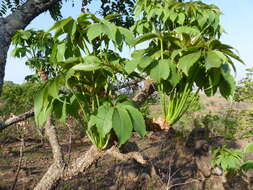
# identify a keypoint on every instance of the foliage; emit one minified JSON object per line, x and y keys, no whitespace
{"x":88,"y":69}
{"x":36,"y":46}
{"x":7,"y":6}
{"x":244,"y":92}
{"x":120,"y":7}
{"x":16,"y":98}
{"x":231,"y":159}
{"x":183,"y":52}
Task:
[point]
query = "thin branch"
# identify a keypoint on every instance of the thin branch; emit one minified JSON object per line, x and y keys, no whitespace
{"x":16,"y":119}
{"x":19,"y":163}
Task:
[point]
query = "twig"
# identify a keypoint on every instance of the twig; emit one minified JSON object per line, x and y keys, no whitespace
{"x":70,"y":142}
{"x":178,"y":184}
{"x":19,"y":163}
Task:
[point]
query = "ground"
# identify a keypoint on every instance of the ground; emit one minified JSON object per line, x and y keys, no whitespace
{"x":175,"y":165}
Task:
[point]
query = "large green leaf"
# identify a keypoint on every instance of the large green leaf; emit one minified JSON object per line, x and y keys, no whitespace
{"x":131,"y":66}
{"x":215,"y":59}
{"x":161,"y":70}
{"x":186,"y":62}
{"x":96,"y":30}
{"x":61,"y":48}
{"x":122,"y":124}
{"x":137,"y":120}
{"x":227,"y":85}
{"x":42,"y":107}
{"x":174,"y":77}
{"x":128,"y":35}
{"x":104,"y":120}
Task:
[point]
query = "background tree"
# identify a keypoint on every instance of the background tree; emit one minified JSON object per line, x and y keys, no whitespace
{"x":16,"y":15}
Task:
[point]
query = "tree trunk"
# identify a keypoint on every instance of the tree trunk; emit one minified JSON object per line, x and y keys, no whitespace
{"x":17,"y":20}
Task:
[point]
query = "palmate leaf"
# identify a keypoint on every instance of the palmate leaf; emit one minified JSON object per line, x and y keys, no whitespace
{"x":186,"y":62}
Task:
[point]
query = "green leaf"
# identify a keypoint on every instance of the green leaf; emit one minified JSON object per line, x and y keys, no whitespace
{"x":86,"y":67}
{"x":161,"y":70}
{"x":144,"y":62}
{"x":137,"y":120}
{"x":187,"y":30}
{"x":174,"y":77}
{"x":91,"y":63}
{"x":181,"y":18}
{"x":61,"y":48}
{"x":146,"y":37}
{"x":122,"y":124}
{"x":249,"y":148}
{"x":130,"y":66}
{"x":227,"y":85}
{"x":42,"y":107}
{"x":186,"y":62}
{"x":215,"y":59}
{"x":128,"y":35}
{"x":64,"y":112}
{"x":112,"y":16}
{"x":52,"y":88}
{"x":104,"y":120}
{"x":248,"y":165}
{"x":96,"y":30}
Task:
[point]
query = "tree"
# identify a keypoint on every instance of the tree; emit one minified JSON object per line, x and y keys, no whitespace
{"x":22,"y":13}
{"x":18,"y":19}
{"x":183,"y":50}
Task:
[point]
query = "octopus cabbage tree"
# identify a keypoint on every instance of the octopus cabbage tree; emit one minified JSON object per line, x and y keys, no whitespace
{"x":182,"y":52}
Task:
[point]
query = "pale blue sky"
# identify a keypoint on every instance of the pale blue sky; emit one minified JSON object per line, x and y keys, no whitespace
{"x":237,"y":21}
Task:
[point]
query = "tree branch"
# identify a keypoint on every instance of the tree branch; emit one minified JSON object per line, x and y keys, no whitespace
{"x":146,"y":91}
{"x":16,"y":119}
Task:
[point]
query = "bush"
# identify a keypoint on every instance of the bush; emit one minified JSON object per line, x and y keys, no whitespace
{"x":17,"y":98}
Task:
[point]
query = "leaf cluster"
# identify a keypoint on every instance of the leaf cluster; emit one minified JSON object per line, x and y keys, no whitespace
{"x":231,"y":159}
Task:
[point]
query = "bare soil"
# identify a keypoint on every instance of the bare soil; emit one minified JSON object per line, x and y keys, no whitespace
{"x":175,"y":164}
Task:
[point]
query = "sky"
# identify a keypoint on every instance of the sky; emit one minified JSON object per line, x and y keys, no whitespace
{"x":236,"y":19}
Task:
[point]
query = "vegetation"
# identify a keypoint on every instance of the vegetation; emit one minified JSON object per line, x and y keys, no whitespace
{"x":78,"y":68}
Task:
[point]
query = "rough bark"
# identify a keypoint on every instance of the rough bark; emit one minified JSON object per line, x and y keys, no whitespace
{"x":55,"y":171}
{"x":82,"y":163}
{"x":17,"y":20}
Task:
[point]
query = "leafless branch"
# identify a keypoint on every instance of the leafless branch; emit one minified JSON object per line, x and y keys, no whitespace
{"x":19,"y":163}
{"x":16,"y":119}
